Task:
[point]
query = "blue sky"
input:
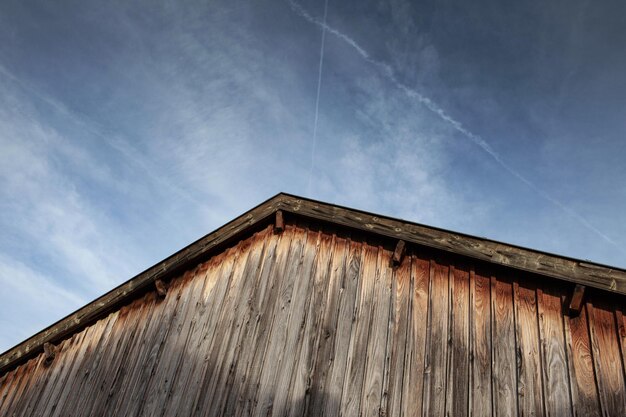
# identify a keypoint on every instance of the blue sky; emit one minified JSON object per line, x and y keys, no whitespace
{"x":130,"y":129}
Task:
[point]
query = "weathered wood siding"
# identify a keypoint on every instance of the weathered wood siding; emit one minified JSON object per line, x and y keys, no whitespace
{"x":311,"y":322}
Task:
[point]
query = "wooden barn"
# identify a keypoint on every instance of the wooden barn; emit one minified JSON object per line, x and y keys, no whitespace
{"x":301,"y":308}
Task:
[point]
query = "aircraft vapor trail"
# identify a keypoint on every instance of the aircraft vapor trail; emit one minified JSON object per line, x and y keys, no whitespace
{"x":441,"y":113}
{"x":317,"y":98}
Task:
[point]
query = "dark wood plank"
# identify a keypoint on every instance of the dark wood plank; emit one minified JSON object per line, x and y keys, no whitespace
{"x":331,"y":394}
{"x":582,"y":376}
{"x":458,"y":385}
{"x":302,"y":381}
{"x":398,"y":253}
{"x":529,"y":373}
{"x":356,"y":360}
{"x":298,"y":306}
{"x":401,"y":293}
{"x":275,"y":354}
{"x":327,"y":330}
{"x":480,"y":398}
{"x":86,"y":354}
{"x":607,"y":359}
{"x":376,"y":348}
{"x":555,"y":367}
{"x":273,"y":277}
{"x":211,"y":302}
{"x":576,"y":300}
{"x":572,"y":270}
{"x":170,"y":266}
{"x":417,"y":338}
{"x":229,"y":352}
{"x":435,"y":363}
{"x":580,"y":272}
{"x":503,"y":348}
{"x":621,"y":336}
{"x":279,"y":222}
{"x":236,"y":400}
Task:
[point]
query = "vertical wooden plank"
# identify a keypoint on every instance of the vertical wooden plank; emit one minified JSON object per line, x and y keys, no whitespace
{"x":434,"y":399}
{"x":124,"y":334}
{"x":148,"y":354}
{"x":212,"y":302}
{"x":529,"y":387}
{"x":582,"y":376}
{"x":344,"y":323}
{"x":5,"y":382}
{"x":356,"y":361}
{"x":130,"y":361}
{"x":274,"y":355}
{"x":503,"y":348}
{"x":221,"y":351}
{"x":555,"y":367}
{"x":47,"y":399}
{"x":272,"y":281}
{"x":458,"y":384}
{"x":303,"y":375}
{"x":236,"y":400}
{"x":480,"y":395}
{"x":93,"y":373}
{"x":419,"y":323}
{"x":332,"y":251}
{"x":88,"y":350}
{"x":298,"y":305}
{"x":144,"y":394}
{"x":24,"y":373}
{"x":161,"y":381}
{"x":607,"y":359}
{"x":372,"y":395}
{"x":621,"y":336}
{"x":41,"y":381}
{"x":401,"y":293}
{"x":231,"y":346}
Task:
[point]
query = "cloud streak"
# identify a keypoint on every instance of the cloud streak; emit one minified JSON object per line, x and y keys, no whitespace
{"x":317,"y":98}
{"x":444,"y":116}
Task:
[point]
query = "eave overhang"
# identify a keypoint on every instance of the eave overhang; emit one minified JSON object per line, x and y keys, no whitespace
{"x":567,"y":269}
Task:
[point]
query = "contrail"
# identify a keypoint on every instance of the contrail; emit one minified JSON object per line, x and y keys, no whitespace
{"x":317,"y":98}
{"x":455,"y":124}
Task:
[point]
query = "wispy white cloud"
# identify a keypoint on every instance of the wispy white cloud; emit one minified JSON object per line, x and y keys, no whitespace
{"x":450,"y":121}
{"x":34,"y":299}
{"x":317,"y":97}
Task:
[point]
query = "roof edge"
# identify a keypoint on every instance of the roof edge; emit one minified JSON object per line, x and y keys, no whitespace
{"x":592,"y":274}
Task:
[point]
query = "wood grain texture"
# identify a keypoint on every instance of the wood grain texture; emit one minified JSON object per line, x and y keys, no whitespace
{"x":480,"y":396}
{"x":584,"y":382}
{"x":607,"y":359}
{"x":458,"y":384}
{"x":578,"y":271}
{"x":355,"y":371}
{"x":555,"y":366}
{"x":503,"y":348}
{"x":529,"y":372}
{"x":581,"y":272}
{"x":435,"y":363}
{"x":376,"y":351}
{"x":398,"y":366}
{"x":314,"y":321}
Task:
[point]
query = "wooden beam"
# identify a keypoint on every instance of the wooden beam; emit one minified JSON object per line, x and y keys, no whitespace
{"x":567,"y":269}
{"x":398,"y":253}
{"x":170,"y":266}
{"x":161,"y":288}
{"x":49,"y":353}
{"x":279,"y":223}
{"x":576,"y":301}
